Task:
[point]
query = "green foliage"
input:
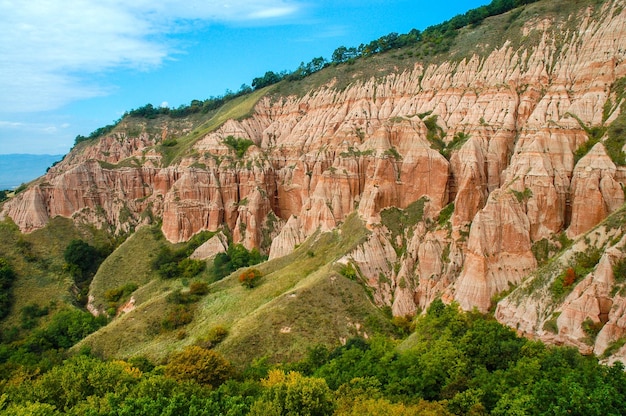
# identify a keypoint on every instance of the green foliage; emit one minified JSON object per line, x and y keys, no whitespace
{"x":583,"y":263}
{"x":169,"y":143}
{"x":7,"y":276}
{"x":217,"y":334}
{"x":594,"y":134}
{"x":614,"y":347}
{"x":174,"y":263}
{"x":82,"y":260}
{"x":591,"y":329}
{"x":616,"y":138}
{"x":435,"y":134}
{"x":193,"y":295}
{"x":115,"y":295}
{"x":457,"y":142}
{"x":522,"y":196}
{"x":619,"y":270}
{"x":266,"y":80}
{"x":236,"y":257}
{"x":250,"y":278}
{"x":393,"y":153}
{"x":238,"y":144}
{"x":65,"y":329}
{"x":177,"y":316}
{"x":543,"y":250}
{"x":445,"y":214}
{"x":454,"y":363}
{"x":398,"y":221}
{"x":294,"y":394}
{"x":30,"y":315}
{"x":101,"y":131}
{"x":349,"y":271}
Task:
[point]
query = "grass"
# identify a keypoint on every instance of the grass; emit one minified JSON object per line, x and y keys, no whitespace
{"x":38,"y":261}
{"x":130,"y":263}
{"x":237,"y":109}
{"x":299,"y":291}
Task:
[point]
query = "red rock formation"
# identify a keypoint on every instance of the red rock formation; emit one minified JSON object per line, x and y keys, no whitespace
{"x":318,"y":157}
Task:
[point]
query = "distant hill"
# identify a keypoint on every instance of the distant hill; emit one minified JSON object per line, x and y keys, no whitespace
{"x":16,"y":169}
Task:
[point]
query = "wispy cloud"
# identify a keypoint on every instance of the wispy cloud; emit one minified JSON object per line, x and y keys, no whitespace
{"x":50,"y":48}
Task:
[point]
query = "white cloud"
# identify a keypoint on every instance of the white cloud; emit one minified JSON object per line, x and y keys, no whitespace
{"x":48,"y":48}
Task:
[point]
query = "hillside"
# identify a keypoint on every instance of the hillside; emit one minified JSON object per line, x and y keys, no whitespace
{"x":479,"y":174}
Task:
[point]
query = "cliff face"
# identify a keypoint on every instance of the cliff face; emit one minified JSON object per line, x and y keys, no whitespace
{"x":512,"y":119}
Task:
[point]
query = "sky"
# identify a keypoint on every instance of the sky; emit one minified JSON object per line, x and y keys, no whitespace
{"x":68,"y":67}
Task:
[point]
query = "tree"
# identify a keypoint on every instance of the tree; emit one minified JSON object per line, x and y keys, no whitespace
{"x":81,"y":259}
{"x":200,"y":365}
{"x":294,"y":394}
{"x":269,"y":78}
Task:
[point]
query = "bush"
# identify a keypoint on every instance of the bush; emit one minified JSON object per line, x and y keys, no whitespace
{"x":250,"y":278}
{"x":445,"y":214}
{"x":7,"y":276}
{"x":170,"y":142}
{"x":65,"y":329}
{"x":236,"y":257}
{"x":197,"y":364}
{"x":114,"y":295}
{"x":239,"y":145}
{"x":31,"y":313}
{"x":198,"y":288}
{"x":177,"y":316}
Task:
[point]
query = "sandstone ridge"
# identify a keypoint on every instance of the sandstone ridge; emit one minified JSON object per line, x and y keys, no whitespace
{"x":508,"y":179}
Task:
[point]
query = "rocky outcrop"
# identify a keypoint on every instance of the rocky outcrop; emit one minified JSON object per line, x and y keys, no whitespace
{"x":594,"y":191}
{"x":493,"y":133}
{"x":211,"y":248}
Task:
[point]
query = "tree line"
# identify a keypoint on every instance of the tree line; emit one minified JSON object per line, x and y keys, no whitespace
{"x":436,"y":38}
{"x":454,"y":363}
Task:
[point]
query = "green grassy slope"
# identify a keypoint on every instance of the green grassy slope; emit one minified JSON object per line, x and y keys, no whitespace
{"x":301,"y":301}
{"x":37,"y":259}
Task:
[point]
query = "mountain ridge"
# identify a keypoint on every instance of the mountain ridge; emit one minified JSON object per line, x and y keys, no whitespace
{"x":459,"y":169}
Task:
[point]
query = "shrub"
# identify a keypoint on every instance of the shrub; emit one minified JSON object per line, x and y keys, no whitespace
{"x":114,"y":295}
{"x":239,"y":145}
{"x":65,"y":329}
{"x":177,"y":316}
{"x":348,"y":271}
{"x":217,"y":334}
{"x":170,"y":142}
{"x":31,"y":313}
{"x":195,"y":292}
{"x":236,"y":257}
{"x":200,"y":365}
{"x":7,"y":276}
{"x":198,"y":288}
{"x":619,"y":270}
{"x":445,"y":214}
{"x":592,"y":329}
{"x":250,"y":278}
{"x":569,"y":277}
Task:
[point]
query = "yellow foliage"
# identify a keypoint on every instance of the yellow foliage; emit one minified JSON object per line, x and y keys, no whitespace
{"x":128,"y":368}
{"x":200,"y":365}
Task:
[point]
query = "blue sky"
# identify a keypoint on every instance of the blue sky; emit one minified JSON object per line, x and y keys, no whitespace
{"x":68,"y":67}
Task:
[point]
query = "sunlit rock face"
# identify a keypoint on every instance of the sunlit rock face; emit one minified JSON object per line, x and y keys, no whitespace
{"x":511,"y":119}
